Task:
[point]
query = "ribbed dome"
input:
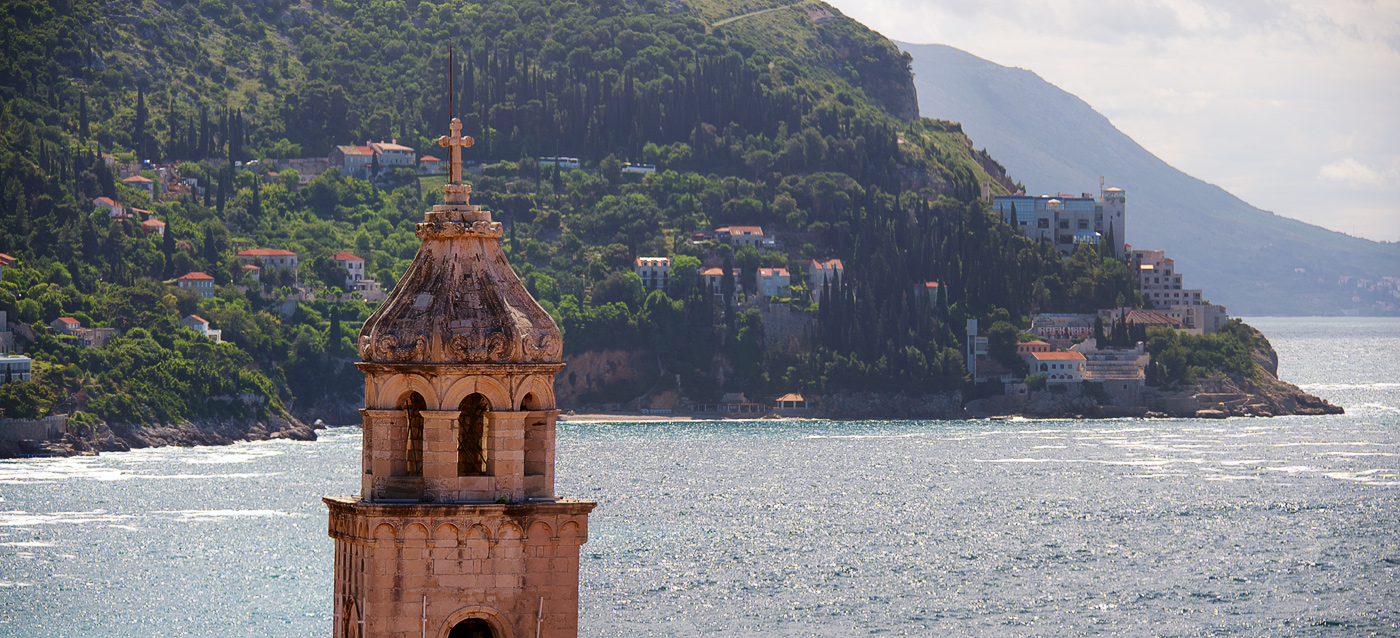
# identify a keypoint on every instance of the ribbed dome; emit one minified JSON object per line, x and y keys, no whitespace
{"x":460,"y":302}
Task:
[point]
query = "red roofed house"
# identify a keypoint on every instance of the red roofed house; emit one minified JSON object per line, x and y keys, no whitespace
{"x":352,"y":160}
{"x":270,"y":258}
{"x":820,"y":271}
{"x":66,"y":325}
{"x":252,"y":270}
{"x":714,"y":278}
{"x":114,"y":210}
{"x":774,"y":282}
{"x":154,"y":225}
{"x":200,"y":325}
{"x":1058,"y":367}
{"x":6,"y":261}
{"x":354,"y":267}
{"x":198,"y":282}
{"x":430,"y":165}
{"x":654,"y":271}
{"x":926,"y":292}
{"x":741,"y":235}
{"x":143,"y":183}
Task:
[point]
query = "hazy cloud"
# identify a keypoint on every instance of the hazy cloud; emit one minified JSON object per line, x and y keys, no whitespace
{"x":1254,"y":95}
{"x":1352,"y":171}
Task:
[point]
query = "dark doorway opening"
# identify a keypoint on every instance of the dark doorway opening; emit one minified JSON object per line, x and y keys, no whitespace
{"x":471,"y":628}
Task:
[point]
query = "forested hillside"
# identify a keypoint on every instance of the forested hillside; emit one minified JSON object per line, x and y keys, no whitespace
{"x":796,"y":119}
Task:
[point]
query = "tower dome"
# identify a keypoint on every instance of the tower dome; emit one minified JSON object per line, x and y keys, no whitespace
{"x":460,"y":301}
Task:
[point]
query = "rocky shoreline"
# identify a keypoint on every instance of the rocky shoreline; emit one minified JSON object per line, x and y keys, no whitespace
{"x":123,"y":437}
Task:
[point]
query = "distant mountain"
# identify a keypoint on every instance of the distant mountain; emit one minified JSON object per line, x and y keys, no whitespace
{"x":1252,"y":261}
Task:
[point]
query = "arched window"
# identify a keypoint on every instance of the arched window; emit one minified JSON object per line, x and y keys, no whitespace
{"x":471,"y":436}
{"x":413,"y":446}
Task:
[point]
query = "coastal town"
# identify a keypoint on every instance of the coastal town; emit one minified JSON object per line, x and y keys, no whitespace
{"x":1062,"y":357}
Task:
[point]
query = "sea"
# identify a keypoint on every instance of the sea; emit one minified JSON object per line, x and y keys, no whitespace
{"x":1286,"y":526}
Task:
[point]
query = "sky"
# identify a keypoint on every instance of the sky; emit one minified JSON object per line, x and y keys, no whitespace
{"x":1291,"y":105}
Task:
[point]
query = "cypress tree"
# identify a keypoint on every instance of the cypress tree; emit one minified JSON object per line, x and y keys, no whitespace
{"x":82,"y":117}
{"x":139,"y":134}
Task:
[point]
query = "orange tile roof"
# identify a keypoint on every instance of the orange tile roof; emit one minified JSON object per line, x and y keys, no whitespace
{"x":68,"y":320}
{"x":137,"y":179}
{"x":1057,"y":356}
{"x":429,"y":158}
{"x":193,"y":276}
{"x":791,"y":396}
{"x":266,"y":252}
{"x":197,"y":318}
{"x":105,"y":201}
{"x":344,"y":256}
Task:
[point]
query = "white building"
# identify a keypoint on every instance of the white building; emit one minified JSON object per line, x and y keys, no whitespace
{"x":655,"y":272}
{"x":114,"y":210}
{"x":392,"y":154}
{"x":564,"y":163}
{"x":200,"y":325}
{"x":352,"y":160}
{"x":14,"y":368}
{"x":1066,"y":220}
{"x":741,"y":235}
{"x":430,"y":165}
{"x":354,"y":268}
{"x":1058,"y":367}
{"x":644,"y":169}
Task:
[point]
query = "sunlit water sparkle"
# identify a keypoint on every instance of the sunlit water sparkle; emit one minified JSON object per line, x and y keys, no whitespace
{"x":1244,"y":527}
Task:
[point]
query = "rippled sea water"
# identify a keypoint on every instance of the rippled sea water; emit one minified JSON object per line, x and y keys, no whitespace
{"x":1243,"y":527}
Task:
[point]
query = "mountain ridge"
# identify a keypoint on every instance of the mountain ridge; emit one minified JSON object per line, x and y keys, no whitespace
{"x":1251,"y":260}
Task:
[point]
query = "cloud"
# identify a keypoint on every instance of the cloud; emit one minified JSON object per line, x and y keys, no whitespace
{"x":1351,"y":171}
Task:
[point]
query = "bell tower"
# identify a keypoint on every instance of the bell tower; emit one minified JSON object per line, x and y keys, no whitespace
{"x":457,"y":532}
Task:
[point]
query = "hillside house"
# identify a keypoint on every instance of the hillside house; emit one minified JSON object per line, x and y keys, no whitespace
{"x":154,"y":225}
{"x":144,"y":183}
{"x":200,"y":325}
{"x":774,"y":282}
{"x":270,"y":258}
{"x":353,"y":265}
{"x":66,"y":325}
{"x":741,"y":235}
{"x":198,"y":282}
{"x":821,"y":271}
{"x":655,"y":272}
{"x":353,"y":161}
{"x":392,"y":154}
{"x":429,"y":165}
{"x":564,"y":163}
{"x":6,"y":261}
{"x":114,"y":210}
{"x":713,"y":280}
{"x":1058,"y":367}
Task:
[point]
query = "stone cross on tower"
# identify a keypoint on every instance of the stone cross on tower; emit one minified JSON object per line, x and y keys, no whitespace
{"x":457,"y":531}
{"x":461,"y":193}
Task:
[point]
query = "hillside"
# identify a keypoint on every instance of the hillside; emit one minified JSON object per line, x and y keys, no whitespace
{"x":1252,"y":261}
{"x":794,"y":119}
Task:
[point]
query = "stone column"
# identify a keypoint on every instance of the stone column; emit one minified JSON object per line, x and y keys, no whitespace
{"x":440,"y":455}
{"x":506,"y":462}
{"x":385,"y":434}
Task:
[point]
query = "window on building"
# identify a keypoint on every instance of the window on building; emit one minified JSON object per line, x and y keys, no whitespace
{"x":1064,"y":223}
{"x":1042,"y":223}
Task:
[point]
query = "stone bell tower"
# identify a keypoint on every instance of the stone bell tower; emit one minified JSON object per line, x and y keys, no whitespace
{"x":456,"y":532}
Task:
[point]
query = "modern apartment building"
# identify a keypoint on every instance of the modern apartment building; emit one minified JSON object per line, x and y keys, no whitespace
{"x":1066,"y":220}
